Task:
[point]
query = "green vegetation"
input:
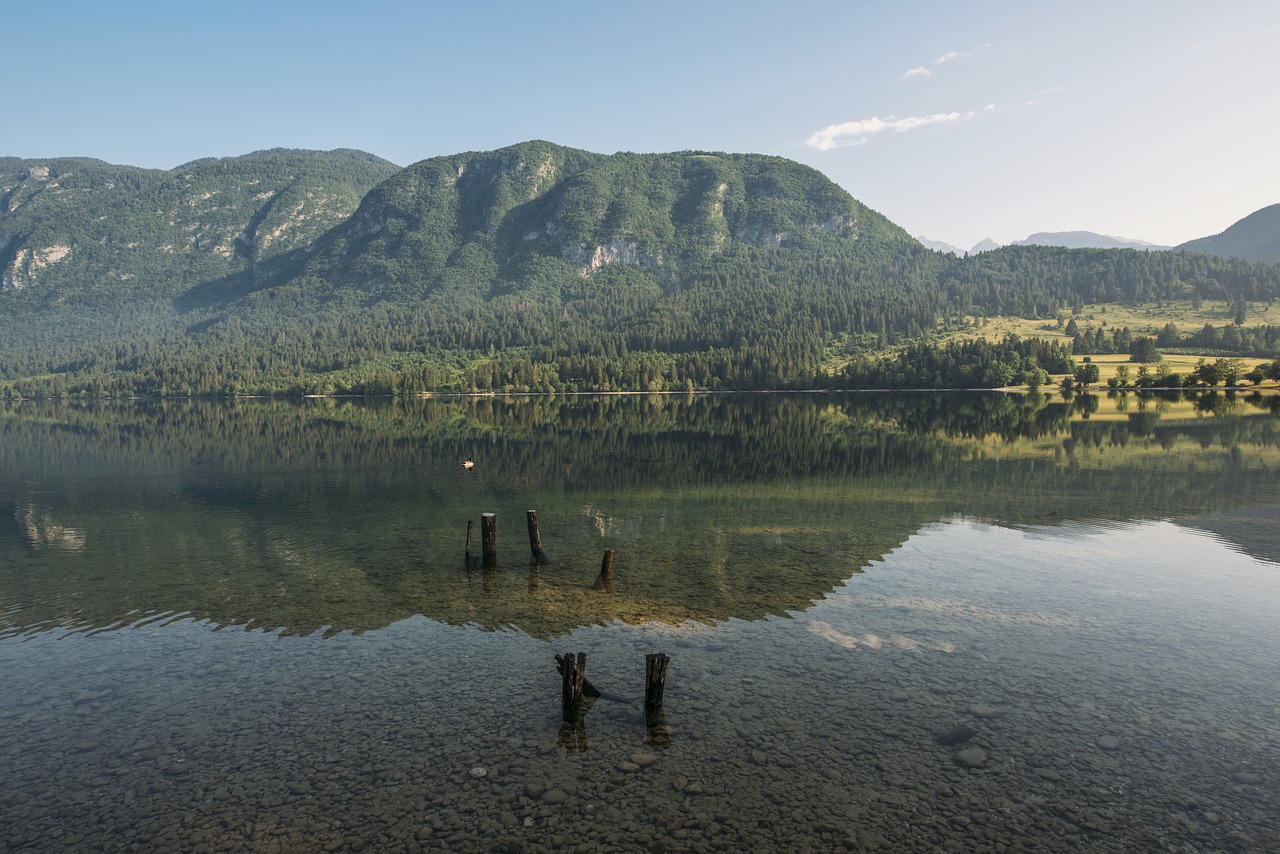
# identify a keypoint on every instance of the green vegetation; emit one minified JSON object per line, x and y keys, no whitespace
{"x":531,"y":268}
{"x":964,"y":364}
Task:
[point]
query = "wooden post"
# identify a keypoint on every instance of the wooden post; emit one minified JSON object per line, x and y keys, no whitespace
{"x":535,"y":539}
{"x":657,"y":733}
{"x":655,"y":679}
{"x":572,"y":671}
{"x":604,"y":581}
{"x":589,"y":690}
{"x":489,"y":538}
{"x":466,"y":557}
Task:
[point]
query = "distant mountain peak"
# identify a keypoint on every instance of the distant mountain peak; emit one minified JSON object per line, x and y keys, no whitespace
{"x":984,"y":245}
{"x":938,"y":245}
{"x":1085,"y":240}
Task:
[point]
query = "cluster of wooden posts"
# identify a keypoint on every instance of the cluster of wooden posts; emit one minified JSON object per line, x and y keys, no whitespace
{"x":577,"y":691}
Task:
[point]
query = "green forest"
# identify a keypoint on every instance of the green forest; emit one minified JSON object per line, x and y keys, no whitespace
{"x":532,"y":268}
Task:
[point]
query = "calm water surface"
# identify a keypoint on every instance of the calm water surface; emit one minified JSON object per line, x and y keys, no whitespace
{"x":895,"y":622}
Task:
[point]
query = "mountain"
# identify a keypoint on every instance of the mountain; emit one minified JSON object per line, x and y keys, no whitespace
{"x":1254,"y":238}
{"x":253,"y":272}
{"x":78,"y":225}
{"x":536,"y":212}
{"x":1084,"y":240}
{"x":984,"y":245}
{"x":533,"y":267}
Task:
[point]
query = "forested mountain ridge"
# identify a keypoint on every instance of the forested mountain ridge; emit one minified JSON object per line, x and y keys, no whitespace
{"x":76,"y":224}
{"x":538,"y":213}
{"x":534,"y":267}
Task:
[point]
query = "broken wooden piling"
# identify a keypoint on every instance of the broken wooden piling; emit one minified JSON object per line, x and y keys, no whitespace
{"x":657,"y":732}
{"x":589,"y":690}
{"x":489,"y":538}
{"x":535,"y":539}
{"x":573,"y":671}
{"x":655,"y":679}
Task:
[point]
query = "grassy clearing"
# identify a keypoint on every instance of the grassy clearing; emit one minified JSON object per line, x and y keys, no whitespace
{"x":1109,"y":365}
{"x":1145,"y":320}
{"x":1141,"y":320}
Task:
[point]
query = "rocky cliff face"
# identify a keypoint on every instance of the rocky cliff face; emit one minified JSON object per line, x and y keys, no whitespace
{"x":27,"y":263}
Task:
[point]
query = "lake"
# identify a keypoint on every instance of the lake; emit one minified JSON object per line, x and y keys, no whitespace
{"x":895,"y":622}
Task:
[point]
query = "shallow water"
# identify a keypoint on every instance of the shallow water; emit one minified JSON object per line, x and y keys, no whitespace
{"x":889,"y":627}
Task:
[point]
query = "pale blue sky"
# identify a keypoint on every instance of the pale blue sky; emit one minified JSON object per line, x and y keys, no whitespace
{"x":1152,"y":120}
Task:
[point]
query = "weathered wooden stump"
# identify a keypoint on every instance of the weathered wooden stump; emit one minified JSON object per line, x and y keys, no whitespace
{"x":589,"y":690}
{"x":604,"y":581}
{"x":489,"y":538}
{"x":573,"y":671}
{"x":657,"y":733}
{"x":535,"y":539}
{"x":655,"y":679}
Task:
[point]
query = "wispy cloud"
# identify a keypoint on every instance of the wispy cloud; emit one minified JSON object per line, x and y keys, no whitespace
{"x":924,"y":71}
{"x":846,"y":134}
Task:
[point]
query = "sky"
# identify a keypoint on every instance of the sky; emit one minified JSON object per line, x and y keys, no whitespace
{"x":959,"y":121}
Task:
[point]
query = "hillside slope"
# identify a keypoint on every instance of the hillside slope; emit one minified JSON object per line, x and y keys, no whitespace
{"x":1254,"y":238}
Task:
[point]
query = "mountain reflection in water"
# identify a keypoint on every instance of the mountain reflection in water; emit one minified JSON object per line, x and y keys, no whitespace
{"x":349,"y":515}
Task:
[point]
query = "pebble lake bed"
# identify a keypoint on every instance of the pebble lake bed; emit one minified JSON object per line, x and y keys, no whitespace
{"x":836,"y":682}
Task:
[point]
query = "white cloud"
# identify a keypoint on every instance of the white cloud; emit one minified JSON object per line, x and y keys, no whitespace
{"x":919,"y":71}
{"x":856,"y":133}
{"x":952,"y":54}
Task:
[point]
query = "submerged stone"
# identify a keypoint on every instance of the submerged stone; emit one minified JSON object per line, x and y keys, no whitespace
{"x":955,"y":735}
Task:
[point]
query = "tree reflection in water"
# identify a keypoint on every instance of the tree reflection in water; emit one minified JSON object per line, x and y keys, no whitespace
{"x":347,"y":515}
